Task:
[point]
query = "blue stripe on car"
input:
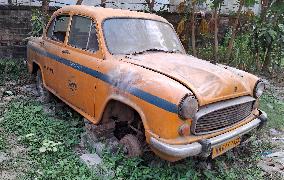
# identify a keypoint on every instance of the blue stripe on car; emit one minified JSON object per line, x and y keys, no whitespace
{"x":157,"y":101}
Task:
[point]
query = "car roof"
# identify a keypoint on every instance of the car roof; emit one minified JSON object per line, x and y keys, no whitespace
{"x":101,"y":14}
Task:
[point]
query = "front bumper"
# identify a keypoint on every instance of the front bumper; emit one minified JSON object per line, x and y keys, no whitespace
{"x":204,"y":147}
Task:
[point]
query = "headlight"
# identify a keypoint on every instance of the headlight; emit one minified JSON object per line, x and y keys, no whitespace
{"x":188,"y":107}
{"x":259,"y":89}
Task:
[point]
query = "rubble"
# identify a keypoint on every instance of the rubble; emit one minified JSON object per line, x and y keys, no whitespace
{"x":91,"y":160}
{"x":3,"y":157}
{"x":273,"y":163}
{"x":274,"y":132}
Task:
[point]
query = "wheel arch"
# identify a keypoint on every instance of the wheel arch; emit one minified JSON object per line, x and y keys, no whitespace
{"x":35,"y":67}
{"x":127,"y":102}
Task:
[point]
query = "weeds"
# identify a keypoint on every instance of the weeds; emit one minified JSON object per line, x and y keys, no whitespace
{"x":275,"y":109}
{"x":37,"y":131}
{"x":12,"y":69}
{"x":3,"y":142}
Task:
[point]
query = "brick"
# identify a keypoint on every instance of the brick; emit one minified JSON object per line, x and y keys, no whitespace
{"x":5,"y":37}
{"x":5,"y":12}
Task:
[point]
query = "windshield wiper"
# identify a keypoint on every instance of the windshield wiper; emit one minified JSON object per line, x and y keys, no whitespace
{"x":151,"y":50}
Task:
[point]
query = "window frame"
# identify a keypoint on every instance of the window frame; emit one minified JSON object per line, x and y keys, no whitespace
{"x":67,"y":30}
{"x":93,"y":22}
{"x":49,"y":24}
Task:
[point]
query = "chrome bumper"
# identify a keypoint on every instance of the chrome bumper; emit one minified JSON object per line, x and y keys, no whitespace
{"x":203,"y":148}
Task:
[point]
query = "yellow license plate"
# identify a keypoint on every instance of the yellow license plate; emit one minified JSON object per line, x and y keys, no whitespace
{"x":221,"y":149}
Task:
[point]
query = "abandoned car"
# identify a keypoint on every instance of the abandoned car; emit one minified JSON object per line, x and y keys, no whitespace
{"x":128,"y":74}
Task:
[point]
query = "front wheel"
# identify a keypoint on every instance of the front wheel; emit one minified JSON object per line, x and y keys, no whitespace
{"x":44,"y":95}
{"x":131,"y":146}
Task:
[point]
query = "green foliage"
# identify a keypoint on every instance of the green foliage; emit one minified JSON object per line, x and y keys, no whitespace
{"x":3,"y":142}
{"x":36,"y":130}
{"x":12,"y":69}
{"x":275,"y":110}
{"x":38,"y":23}
{"x":217,"y":3}
{"x":267,"y":37}
{"x":141,"y":169}
{"x":250,"y":3}
{"x":242,"y":56}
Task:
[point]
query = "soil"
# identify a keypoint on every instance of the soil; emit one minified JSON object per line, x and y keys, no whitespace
{"x":275,"y":86}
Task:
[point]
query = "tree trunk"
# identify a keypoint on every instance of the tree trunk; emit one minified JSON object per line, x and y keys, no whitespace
{"x":267,"y":60}
{"x":216,"y":30}
{"x":79,"y":2}
{"x":264,"y":7}
{"x":193,"y":5}
{"x":235,"y":25}
{"x":151,"y":4}
{"x":103,"y":3}
{"x":44,"y":9}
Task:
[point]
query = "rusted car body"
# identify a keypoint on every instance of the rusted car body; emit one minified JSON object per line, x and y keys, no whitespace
{"x":90,"y":58}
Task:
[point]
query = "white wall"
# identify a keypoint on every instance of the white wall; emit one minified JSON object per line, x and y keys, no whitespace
{"x":127,"y":4}
{"x":4,"y":2}
{"x":38,"y":3}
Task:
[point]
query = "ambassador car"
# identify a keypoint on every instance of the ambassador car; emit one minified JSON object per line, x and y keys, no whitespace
{"x":128,"y":74}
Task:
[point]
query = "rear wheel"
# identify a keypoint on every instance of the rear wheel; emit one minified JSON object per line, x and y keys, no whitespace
{"x":44,"y":95}
{"x":131,"y":146}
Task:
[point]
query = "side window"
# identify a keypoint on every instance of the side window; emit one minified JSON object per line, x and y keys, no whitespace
{"x":50,"y":29}
{"x":60,"y":28}
{"x":83,"y":34}
{"x":79,"y":33}
{"x":93,"y":44}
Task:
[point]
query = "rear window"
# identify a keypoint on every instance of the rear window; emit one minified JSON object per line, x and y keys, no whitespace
{"x":83,"y":34}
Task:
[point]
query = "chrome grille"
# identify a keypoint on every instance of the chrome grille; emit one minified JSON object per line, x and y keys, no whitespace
{"x":223,"y":117}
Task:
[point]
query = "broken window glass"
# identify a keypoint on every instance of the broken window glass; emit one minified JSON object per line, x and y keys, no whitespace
{"x":60,"y":28}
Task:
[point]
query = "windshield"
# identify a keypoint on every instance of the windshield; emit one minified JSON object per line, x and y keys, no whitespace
{"x":131,"y":36}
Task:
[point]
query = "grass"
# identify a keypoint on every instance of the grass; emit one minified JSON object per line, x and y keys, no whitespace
{"x":37,"y":131}
{"x":3,"y":142}
{"x":275,"y":110}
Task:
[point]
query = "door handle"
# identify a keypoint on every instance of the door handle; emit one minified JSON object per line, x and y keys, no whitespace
{"x":65,"y":52}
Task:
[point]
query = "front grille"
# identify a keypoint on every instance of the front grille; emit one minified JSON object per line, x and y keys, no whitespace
{"x":222,"y":118}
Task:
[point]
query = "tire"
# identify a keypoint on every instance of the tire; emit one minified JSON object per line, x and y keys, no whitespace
{"x":131,"y":146}
{"x":44,"y":95}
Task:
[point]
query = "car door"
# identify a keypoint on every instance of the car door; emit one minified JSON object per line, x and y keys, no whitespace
{"x":82,"y":50}
{"x":53,"y":44}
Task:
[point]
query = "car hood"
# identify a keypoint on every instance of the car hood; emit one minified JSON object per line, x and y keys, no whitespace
{"x":209,"y":82}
